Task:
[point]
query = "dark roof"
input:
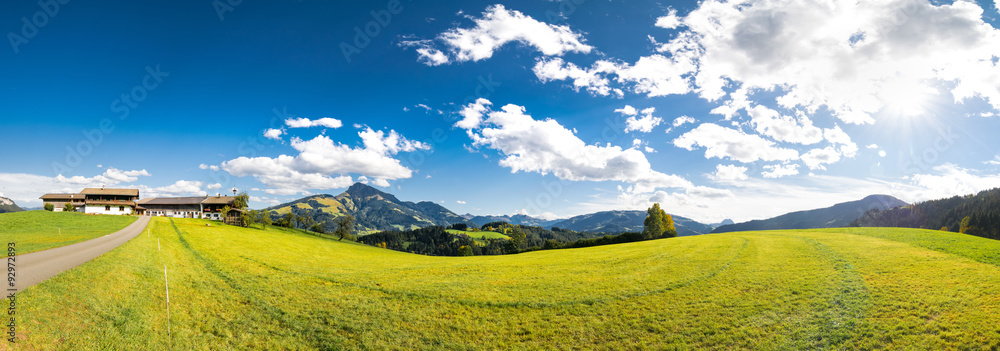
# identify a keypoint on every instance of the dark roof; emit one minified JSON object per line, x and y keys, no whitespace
{"x":109,"y":191}
{"x":194,"y":200}
{"x":219,"y":200}
{"x":61,"y":196}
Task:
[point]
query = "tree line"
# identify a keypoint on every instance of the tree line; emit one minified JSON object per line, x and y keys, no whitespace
{"x":437,"y":241}
{"x":977,"y":215}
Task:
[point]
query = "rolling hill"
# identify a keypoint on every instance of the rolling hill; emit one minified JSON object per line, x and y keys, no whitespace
{"x":626,"y":221}
{"x":280,"y":289}
{"x":8,"y":205}
{"x":838,"y":215}
{"x":982,"y":211}
{"x":372,"y":209}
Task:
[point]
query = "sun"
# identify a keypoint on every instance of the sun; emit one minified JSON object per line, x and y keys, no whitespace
{"x":906,"y":98}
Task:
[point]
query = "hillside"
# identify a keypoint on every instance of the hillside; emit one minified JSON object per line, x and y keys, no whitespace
{"x":626,"y":221}
{"x":982,"y":209}
{"x":242,"y":288}
{"x":515,"y":219}
{"x":8,"y":205}
{"x":838,"y":215}
{"x":39,"y":230}
{"x":372,"y":209}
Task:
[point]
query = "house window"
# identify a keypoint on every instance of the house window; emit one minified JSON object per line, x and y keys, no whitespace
{"x":121,"y":208}
{"x":107,"y":208}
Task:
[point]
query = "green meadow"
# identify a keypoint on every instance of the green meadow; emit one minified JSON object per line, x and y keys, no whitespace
{"x":39,"y":230}
{"x":482,"y":235}
{"x":275,"y":289}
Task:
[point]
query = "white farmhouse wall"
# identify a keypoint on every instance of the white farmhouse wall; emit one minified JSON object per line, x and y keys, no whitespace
{"x":97,"y":209}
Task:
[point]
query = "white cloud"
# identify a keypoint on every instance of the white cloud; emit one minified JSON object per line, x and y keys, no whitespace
{"x":274,"y":133}
{"x":852,"y":58}
{"x":837,"y":136}
{"x":729,"y":143}
{"x":325,"y":164}
{"x":545,"y":146}
{"x":872,"y":146}
{"x":270,"y":201}
{"x":655,"y":75}
{"x":179,"y":188}
{"x":326,"y":122}
{"x":472,"y":114}
{"x":816,"y":158}
{"x":212,"y":167}
{"x":644,"y":124}
{"x":778,"y":171}
{"x":111,"y":176}
{"x":215,"y":186}
{"x":682,"y":120}
{"x":628,"y":110}
{"x":593,"y":80}
{"x":389,"y":144}
{"x":649,"y":149}
{"x":785,"y":128}
{"x":949,"y":180}
{"x":670,"y":21}
{"x":858,"y":59}
{"x":460,"y":202}
{"x":729,"y":173}
{"x":497,"y":27}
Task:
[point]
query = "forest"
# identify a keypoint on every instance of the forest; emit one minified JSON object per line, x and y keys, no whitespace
{"x":977,"y":215}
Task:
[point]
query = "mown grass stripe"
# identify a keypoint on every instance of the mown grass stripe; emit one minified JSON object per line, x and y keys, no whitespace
{"x":518,"y":304}
{"x":307,"y":333}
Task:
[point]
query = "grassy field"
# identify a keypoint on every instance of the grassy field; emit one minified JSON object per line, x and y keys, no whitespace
{"x":277,"y":289}
{"x":39,"y":230}
{"x":479,"y":234}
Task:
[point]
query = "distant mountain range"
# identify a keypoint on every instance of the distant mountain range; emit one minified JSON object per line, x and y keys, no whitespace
{"x":977,"y":214}
{"x":626,"y":221}
{"x":375,"y":210}
{"x":839,"y":215}
{"x":515,"y":219}
{"x":372,"y":209}
{"x":8,"y":205}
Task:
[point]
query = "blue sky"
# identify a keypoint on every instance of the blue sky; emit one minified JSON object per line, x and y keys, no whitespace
{"x":552,"y":108}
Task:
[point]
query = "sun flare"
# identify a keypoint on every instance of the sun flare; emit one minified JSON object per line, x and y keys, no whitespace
{"x":906,"y":98}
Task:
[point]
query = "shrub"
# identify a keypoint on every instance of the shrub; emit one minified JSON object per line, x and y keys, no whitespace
{"x":49,"y":207}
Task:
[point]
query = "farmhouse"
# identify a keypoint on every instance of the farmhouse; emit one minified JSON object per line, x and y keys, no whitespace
{"x":126,"y":202}
{"x":209,"y":207}
{"x":96,"y":200}
{"x":59,"y":201}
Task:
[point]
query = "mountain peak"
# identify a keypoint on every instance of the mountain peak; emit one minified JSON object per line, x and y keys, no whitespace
{"x":363,"y":190}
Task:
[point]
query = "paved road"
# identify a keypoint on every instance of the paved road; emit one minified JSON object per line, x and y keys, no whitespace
{"x":36,"y":267}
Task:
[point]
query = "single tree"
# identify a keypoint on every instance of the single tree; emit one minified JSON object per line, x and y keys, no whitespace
{"x":344,"y":226}
{"x":319,"y":227}
{"x":250,"y":218}
{"x":264,"y":217}
{"x":225,"y":214}
{"x":658,"y":224}
{"x":49,"y":207}
{"x":241,"y":201}
{"x":69,"y":207}
{"x":287,"y":221}
{"x":966,"y":227}
{"x":465,"y":250}
{"x":516,"y":241}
